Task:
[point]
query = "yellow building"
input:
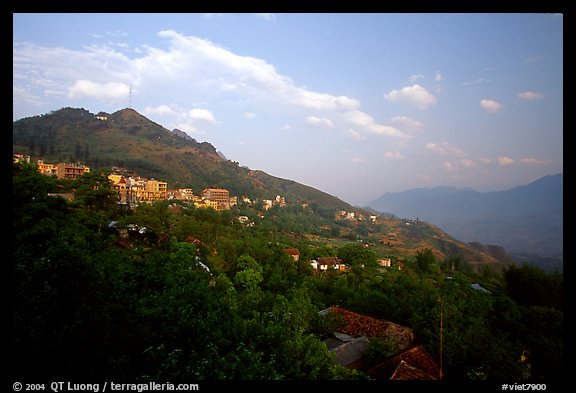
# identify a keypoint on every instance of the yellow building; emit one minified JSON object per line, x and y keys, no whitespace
{"x":207,"y":204}
{"x":62,"y":170}
{"x":219,"y":195}
{"x":134,"y":190}
{"x":71,"y":171}
{"x":46,"y":169}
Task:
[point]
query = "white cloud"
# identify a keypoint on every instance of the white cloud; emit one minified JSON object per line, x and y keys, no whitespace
{"x":533,"y":161}
{"x":415,"y":95}
{"x":353,"y":134}
{"x":187,"y":125}
{"x":503,"y":160}
{"x":530,"y":95}
{"x":491,"y":106}
{"x":161,"y":110}
{"x":319,"y":122}
{"x":249,"y":115}
{"x":408,"y":124}
{"x":414,"y":78}
{"x":438,"y":76}
{"x":485,"y":160}
{"x":358,"y":160}
{"x":366,"y":121}
{"x":394,"y":155}
{"x":202,"y":114}
{"x":446,"y":149}
{"x":190,"y":67}
{"x":100,"y":91}
{"x":467,"y":162}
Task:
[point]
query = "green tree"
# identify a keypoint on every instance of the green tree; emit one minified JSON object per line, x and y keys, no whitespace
{"x":93,"y":191}
{"x":425,"y":261}
{"x":249,"y":273}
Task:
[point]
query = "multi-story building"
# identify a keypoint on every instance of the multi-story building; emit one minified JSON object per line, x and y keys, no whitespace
{"x":62,"y":170}
{"x":182,"y":194}
{"x":134,"y":190}
{"x":20,"y":158}
{"x":219,"y":195}
{"x":71,"y":171}
{"x":46,"y":169}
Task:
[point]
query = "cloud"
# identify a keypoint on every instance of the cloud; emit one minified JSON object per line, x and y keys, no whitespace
{"x":100,"y":91}
{"x":367,"y":122}
{"x":394,"y":155}
{"x":503,"y":160}
{"x":414,"y":95}
{"x":249,"y":115}
{"x":358,"y":160}
{"x":202,"y":114}
{"x":533,"y":161}
{"x":438,"y":76}
{"x":491,"y":106}
{"x":408,"y":124}
{"x":353,"y":134}
{"x":467,"y":162}
{"x":188,"y":69}
{"x":319,"y":122}
{"x":161,"y":110}
{"x":446,"y":149}
{"x":414,"y":78}
{"x":530,"y":95}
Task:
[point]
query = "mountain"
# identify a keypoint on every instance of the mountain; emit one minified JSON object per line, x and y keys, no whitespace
{"x":141,"y":147}
{"x":128,"y":140}
{"x":524,"y":220}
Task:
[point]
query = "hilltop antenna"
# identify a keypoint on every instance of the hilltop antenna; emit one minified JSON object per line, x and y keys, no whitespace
{"x":130,"y":97}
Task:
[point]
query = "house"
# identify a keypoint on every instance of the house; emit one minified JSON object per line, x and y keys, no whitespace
{"x":412,"y":364}
{"x":385,"y":262}
{"x":294,"y":253}
{"x":325,"y":263}
{"x":352,"y":337}
{"x":102,"y":116}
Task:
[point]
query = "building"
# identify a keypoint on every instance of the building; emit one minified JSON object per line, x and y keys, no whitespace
{"x":182,"y":194}
{"x":325,"y":263}
{"x":220,"y":196}
{"x":46,"y":169}
{"x":102,"y":116}
{"x":20,"y":158}
{"x":294,"y":253}
{"x":71,"y":171}
{"x":134,"y":190}
{"x":62,"y":170}
{"x":352,"y":335}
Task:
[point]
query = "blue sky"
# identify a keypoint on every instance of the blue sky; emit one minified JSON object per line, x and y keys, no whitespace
{"x":352,"y":104}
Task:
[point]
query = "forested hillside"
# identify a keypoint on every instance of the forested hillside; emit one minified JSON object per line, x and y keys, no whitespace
{"x":168,"y":292}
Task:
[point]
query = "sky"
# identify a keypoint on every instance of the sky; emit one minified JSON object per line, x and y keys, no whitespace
{"x":353,"y":104}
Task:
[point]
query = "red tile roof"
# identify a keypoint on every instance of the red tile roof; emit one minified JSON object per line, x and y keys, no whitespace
{"x":358,"y":325}
{"x":397,"y":366}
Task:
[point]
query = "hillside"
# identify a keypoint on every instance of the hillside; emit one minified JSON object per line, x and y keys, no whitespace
{"x":129,"y":140}
{"x":133,"y":142}
{"x":526,"y":219}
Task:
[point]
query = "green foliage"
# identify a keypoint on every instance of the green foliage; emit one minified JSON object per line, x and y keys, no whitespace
{"x":87,"y":308}
{"x":425,"y":261}
{"x":355,"y":254}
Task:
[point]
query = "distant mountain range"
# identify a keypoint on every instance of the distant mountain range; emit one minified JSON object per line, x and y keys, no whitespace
{"x":524,"y":220}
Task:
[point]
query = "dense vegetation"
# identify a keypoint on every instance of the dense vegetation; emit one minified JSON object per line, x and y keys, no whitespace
{"x":86,"y":304}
